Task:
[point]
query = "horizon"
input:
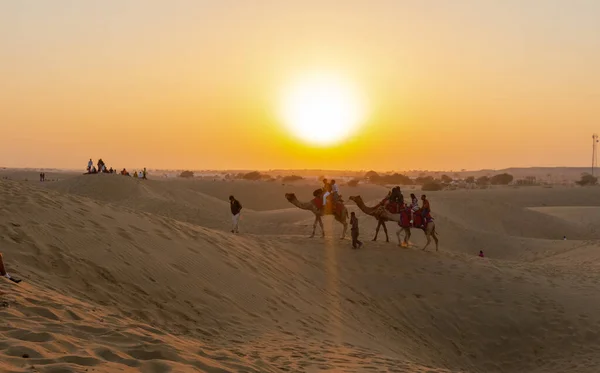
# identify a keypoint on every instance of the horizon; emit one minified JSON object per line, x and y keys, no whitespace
{"x":229,"y":170}
{"x":296,"y":85}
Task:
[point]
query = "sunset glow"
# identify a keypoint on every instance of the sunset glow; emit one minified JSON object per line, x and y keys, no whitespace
{"x":322,"y":109}
{"x":310,"y":84}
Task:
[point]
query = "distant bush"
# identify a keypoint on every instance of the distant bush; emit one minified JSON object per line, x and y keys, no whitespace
{"x":587,"y":179}
{"x":501,"y":179}
{"x":422,"y":180}
{"x":371,"y":175}
{"x":254,"y":175}
{"x":291,"y":178}
{"x":186,"y":174}
{"x":432,"y":186}
{"x":353,"y":183}
{"x":397,"y":179}
{"x":446,"y":179}
{"x":484,"y":180}
{"x":470,"y":180}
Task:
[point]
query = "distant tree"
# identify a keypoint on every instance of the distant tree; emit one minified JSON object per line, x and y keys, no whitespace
{"x":397,"y":179}
{"x":291,"y":178}
{"x":587,"y":179}
{"x":422,"y":180}
{"x":254,"y":175}
{"x":470,"y":180}
{"x":483,"y":180}
{"x":186,"y":174}
{"x":446,"y":179}
{"x":371,"y":176}
{"x":432,"y":186}
{"x":353,"y":182}
{"x":501,"y":179}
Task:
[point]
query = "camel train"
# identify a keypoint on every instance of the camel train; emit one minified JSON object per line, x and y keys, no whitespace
{"x":379,"y":212}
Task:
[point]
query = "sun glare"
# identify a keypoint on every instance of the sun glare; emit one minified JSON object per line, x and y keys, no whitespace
{"x":322,"y":109}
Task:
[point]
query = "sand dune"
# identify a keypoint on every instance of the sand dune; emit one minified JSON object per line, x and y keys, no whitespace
{"x":122,"y":275}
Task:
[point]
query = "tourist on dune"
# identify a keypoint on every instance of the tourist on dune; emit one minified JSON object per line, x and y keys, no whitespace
{"x":335,"y":191}
{"x":144,"y":174}
{"x":481,"y":254}
{"x":135,"y":174}
{"x":326,"y":191}
{"x":236,"y":208}
{"x":4,"y":273}
{"x":100,"y":165}
{"x":399,"y":196}
{"x":90,"y":164}
{"x":414,"y":206}
{"x":354,"y":231}
{"x":425,"y":209}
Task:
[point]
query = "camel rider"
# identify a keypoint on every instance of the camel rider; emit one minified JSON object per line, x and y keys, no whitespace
{"x":399,"y":197}
{"x":425,"y":209}
{"x":335,"y":191}
{"x":326,"y":191}
{"x":395,"y":198}
{"x":414,"y":205}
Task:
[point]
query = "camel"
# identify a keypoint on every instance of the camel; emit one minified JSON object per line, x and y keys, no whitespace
{"x":372,"y":212}
{"x":382,"y":215}
{"x":310,"y":206}
{"x":429,"y":230}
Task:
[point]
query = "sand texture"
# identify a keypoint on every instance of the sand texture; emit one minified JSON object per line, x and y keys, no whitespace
{"x":125,"y":275}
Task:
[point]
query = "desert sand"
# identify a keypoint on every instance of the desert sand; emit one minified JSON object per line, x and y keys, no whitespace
{"x":127,"y":275}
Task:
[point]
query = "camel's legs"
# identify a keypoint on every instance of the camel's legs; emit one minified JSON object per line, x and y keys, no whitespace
{"x":387,"y":238}
{"x":428,"y":240}
{"x":379,"y":222}
{"x":406,"y":236}
{"x":314,"y":226}
{"x":431,"y":234}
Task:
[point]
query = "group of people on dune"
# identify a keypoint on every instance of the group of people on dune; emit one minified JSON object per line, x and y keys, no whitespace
{"x":91,"y":169}
{"x":394,"y":201}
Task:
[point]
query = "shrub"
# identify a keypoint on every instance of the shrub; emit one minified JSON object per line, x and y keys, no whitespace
{"x":422,"y":180}
{"x":353,"y":182}
{"x":484,"y":180}
{"x":291,"y":178}
{"x":396,"y":178}
{"x":254,"y":175}
{"x":446,"y":179}
{"x":186,"y":174}
{"x":587,"y":179}
{"x":501,"y":179}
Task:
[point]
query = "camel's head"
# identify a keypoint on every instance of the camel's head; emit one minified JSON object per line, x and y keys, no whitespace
{"x":355,"y":198}
{"x":290,"y":196}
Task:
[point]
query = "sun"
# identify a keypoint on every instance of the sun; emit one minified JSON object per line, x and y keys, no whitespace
{"x":322,"y":109}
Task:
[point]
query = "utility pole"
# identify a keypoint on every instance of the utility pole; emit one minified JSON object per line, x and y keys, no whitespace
{"x":594,"y":152}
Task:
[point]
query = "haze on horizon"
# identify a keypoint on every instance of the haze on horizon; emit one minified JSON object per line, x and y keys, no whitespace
{"x":198,"y":84}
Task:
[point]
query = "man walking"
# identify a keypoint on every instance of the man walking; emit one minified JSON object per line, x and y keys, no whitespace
{"x":354,"y":231}
{"x":236,"y":208}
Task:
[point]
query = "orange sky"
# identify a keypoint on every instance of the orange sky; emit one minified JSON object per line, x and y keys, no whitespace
{"x":197,"y":84}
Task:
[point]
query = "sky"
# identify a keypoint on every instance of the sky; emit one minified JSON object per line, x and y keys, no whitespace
{"x":447,"y":85}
